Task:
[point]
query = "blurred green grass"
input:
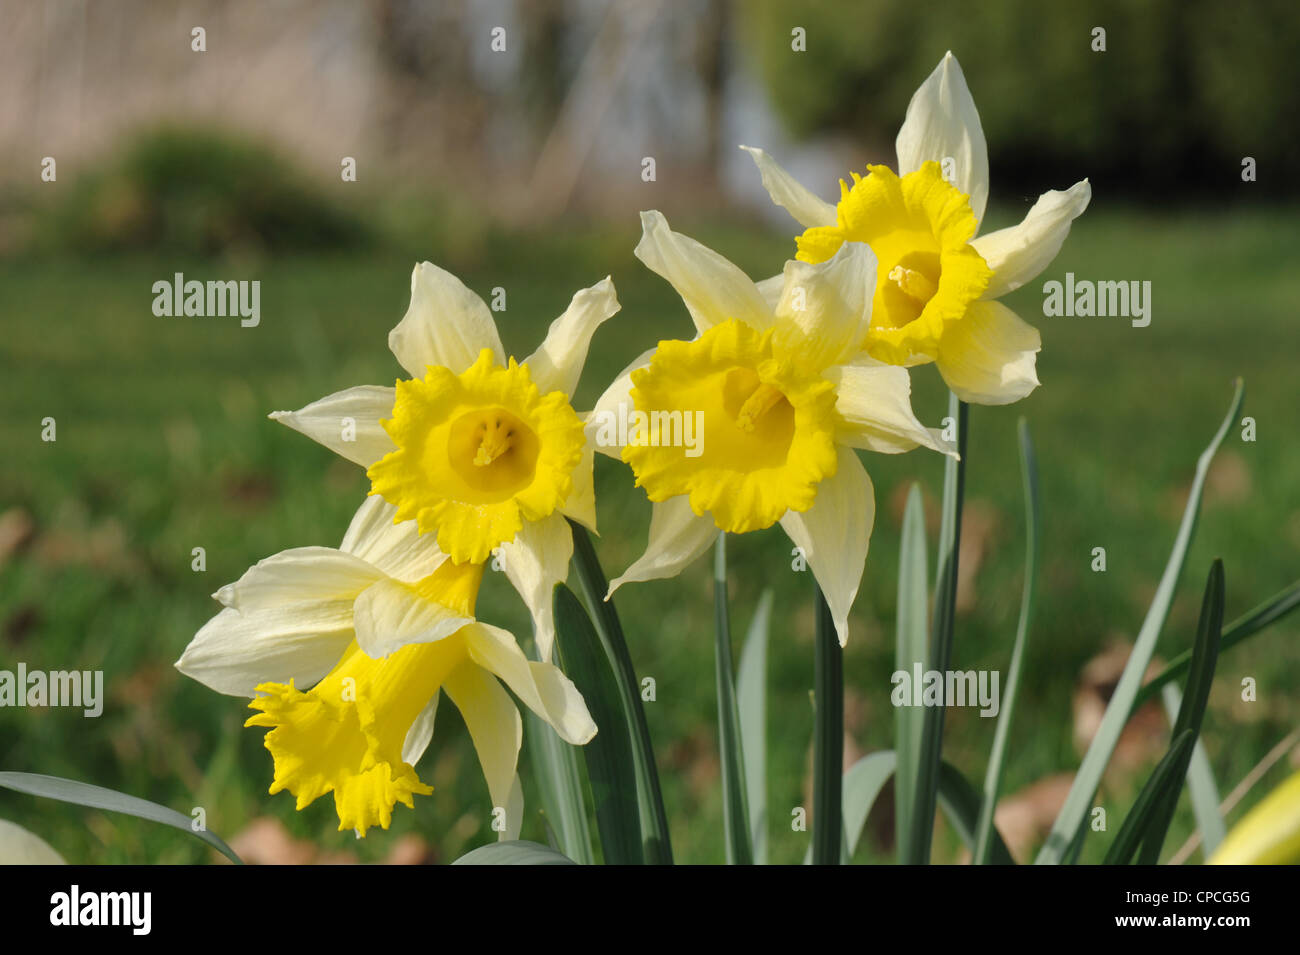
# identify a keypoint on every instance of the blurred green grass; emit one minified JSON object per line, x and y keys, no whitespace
{"x":163,"y":445}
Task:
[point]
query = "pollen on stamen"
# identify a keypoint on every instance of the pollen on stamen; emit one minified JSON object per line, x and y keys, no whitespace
{"x":915,"y":285}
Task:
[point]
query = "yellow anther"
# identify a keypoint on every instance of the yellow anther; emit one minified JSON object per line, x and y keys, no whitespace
{"x":763,"y":398}
{"x":915,"y":285}
{"x":494,"y":443}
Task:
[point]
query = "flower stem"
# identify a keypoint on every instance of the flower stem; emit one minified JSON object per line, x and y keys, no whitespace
{"x":591,"y":578}
{"x":828,"y":738}
{"x":945,"y":600}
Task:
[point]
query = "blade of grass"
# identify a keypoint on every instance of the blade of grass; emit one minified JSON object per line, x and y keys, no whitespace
{"x":1201,"y":787}
{"x":751,"y":693}
{"x":516,"y":852}
{"x":1191,"y":715}
{"x":735,"y":811}
{"x":1269,"y":612}
{"x":912,"y":635}
{"x":1117,"y":712}
{"x":945,"y":600}
{"x":591,"y":579}
{"x":97,"y":797}
{"x":961,"y":804}
{"x":610,"y":768}
{"x":863,"y":782}
{"x":997,"y":756}
{"x":1139,"y":819}
{"x":828,"y":738}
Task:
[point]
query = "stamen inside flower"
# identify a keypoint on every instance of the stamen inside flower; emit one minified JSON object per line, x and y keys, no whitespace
{"x":762,"y":399}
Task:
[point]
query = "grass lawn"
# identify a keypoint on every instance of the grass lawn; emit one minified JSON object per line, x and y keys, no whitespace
{"x":163,"y":446}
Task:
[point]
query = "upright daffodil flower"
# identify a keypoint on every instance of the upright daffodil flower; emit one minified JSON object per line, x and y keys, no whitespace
{"x":481,"y":451}
{"x":782,"y":395}
{"x":938,"y":283}
{"x":345,"y":653}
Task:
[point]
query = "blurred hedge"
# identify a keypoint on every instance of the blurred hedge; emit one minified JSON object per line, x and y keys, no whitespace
{"x":1185,"y":89}
{"x":196,"y":191}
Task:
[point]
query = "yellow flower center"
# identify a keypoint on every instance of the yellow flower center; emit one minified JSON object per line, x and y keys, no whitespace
{"x":477,"y":454}
{"x":345,"y":734}
{"x":764,"y":431}
{"x":919,"y":227}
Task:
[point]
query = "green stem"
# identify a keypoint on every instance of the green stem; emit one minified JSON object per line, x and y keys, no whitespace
{"x":591,"y":578}
{"x":945,"y":601}
{"x":828,"y":739}
{"x":735,"y":809}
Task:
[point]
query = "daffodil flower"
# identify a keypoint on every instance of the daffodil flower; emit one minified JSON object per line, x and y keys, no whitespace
{"x":783,"y":394}
{"x":346,"y":652}
{"x":484,"y":452}
{"x":938,"y":283}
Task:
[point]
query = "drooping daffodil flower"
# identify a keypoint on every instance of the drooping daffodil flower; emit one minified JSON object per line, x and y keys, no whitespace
{"x":778,"y":393}
{"x":938,"y":283}
{"x":345,"y":653}
{"x":483,"y":452}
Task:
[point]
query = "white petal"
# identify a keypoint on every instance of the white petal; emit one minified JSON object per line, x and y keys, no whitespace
{"x":825,"y":309}
{"x":20,"y":847}
{"x":421,"y":732}
{"x":235,"y":652}
{"x":713,"y":289}
{"x":677,"y":536}
{"x":988,"y":356}
{"x":302,"y":575}
{"x":445,"y":325}
{"x":542,"y":687}
{"x":1019,"y":253}
{"x":581,"y":502}
{"x":354,"y":414}
{"x":771,"y":289}
{"x":874,"y":400}
{"x":390,"y":615}
{"x":791,"y":195}
{"x":398,"y":550}
{"x":535,"y":561}
{"x":494,"y":725}
{"x":942,"y":123}
{"x":557,"y":364}
{"x":615,"y":405}
{"x":834,"y":534}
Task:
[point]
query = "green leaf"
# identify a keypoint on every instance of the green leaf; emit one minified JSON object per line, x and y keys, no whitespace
{"x":1269,"y":612}
{"x":610,"y":768}
{"x":751,"y":694}
{"x":945,"y":600}
{"x":1201,"y":787}
{"x":555,"y":767}
{"x":1191,"y":714}
{"x":1167,"y":775}
{"x":515,"y":852}
{"x":863,"y":782}
{"x":1087,"y":779}
{"x":657,"y":849}
{"x":961,"y":804}
{"x":735,"y":812}
{"x":911,"y":637}
{"x":828,"y":737}
{"x":997,"y":756}
{"x":97,"y":797}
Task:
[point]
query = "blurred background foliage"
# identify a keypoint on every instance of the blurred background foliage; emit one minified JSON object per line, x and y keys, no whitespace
{"x":523,"y":171}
